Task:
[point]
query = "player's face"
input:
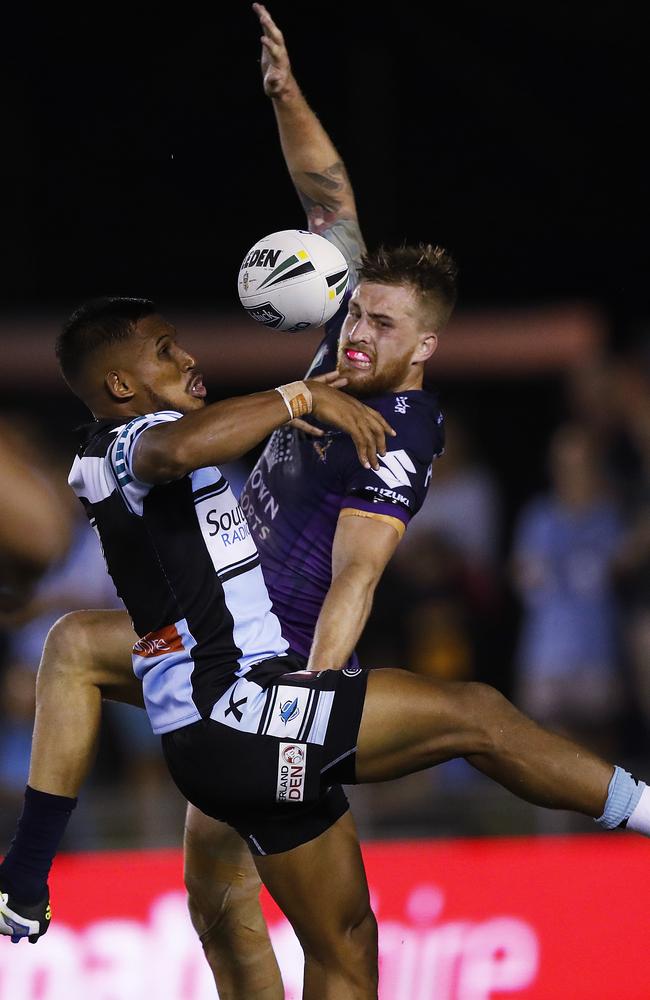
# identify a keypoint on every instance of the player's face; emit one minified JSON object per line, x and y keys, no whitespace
{"x":383,"y":341}
{"x":165,"y":375}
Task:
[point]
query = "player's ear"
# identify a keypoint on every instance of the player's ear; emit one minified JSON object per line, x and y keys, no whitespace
{"x":118,"y":386}
{"x":427,"y":344}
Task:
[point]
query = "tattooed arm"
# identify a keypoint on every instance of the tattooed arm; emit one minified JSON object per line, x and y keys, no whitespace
{"x":316,"y":169}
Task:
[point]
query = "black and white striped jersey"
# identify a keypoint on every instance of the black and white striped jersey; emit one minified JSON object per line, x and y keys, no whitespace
{"x":183,"y":561}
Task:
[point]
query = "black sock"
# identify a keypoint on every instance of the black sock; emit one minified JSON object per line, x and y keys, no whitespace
{"x":26,"y":867}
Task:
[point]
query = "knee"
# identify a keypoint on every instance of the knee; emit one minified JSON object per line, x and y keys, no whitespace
{"x":350,"y":945}
{"x":222,"y":883}
{"x":207,"y":901}
{"x":363,"y":936}
{"x":225,"y":903}
{"x":65,"y":645}
{"x":487,"y":713}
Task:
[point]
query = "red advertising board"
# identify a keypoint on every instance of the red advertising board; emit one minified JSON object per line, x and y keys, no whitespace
{"x":559,"y":917}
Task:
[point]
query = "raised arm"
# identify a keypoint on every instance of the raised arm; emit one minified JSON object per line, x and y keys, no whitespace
{"x":316,"y":169}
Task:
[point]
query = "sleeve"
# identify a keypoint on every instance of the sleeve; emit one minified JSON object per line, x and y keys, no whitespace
{"x":394,"y":490}
{"x":397,"y":489}
{"x":123,"y":448}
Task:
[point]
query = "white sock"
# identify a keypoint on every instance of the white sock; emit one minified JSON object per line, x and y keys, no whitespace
{"x":640,"y":816}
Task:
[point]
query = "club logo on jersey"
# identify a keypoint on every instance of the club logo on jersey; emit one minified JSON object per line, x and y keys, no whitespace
{"x":320,"y":447}
{"x":292,"y":769}
{"x":401,"y":404}
{"x":289,"y":710}
{"x":397,"y":466}
{"x":163,"y":640}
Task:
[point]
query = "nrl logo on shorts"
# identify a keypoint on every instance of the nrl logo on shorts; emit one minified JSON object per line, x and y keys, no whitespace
{"x":292,"y":762}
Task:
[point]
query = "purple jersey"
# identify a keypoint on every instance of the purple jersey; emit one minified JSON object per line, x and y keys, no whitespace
{"x":294,"y":495}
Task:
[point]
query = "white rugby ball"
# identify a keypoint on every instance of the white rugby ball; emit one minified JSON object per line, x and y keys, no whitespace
{"x":292,"y":280}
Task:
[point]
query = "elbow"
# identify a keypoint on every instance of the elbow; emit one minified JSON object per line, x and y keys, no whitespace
{"x":361,"y":577}
{"x":173,"y":464}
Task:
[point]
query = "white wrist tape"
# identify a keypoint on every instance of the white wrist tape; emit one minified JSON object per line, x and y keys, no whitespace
{"x":297,"y":398}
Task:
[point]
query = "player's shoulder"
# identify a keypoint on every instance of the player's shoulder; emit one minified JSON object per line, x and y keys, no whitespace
{"x":416,"y":418}
{"x":96,"y":438}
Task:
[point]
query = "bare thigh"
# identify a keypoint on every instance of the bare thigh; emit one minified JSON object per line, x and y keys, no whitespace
{"x":94,"y":647}
{"x":222,"y":850}
{"x":411,"y":722}
{"x":87,"y":656}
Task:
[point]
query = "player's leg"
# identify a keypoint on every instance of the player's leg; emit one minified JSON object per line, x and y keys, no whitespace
{"x":410,"y":723}
{"x":87,"y":655}
{"x":85,"y":652}
{"x":321,"y":888}
{"x":223,"y":897}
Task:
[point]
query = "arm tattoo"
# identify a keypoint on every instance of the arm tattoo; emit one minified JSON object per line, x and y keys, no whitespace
{"x":323,"y":188}
{"x":322,"y":196}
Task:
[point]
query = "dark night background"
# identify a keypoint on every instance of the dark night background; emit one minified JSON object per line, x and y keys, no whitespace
{"x":141,"y":153}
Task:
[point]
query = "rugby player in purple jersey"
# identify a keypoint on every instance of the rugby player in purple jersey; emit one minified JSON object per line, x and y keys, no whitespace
{"x":322,"y":552}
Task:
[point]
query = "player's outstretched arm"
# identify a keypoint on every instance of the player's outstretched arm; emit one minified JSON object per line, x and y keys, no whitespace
{"x":229,"y":429}
{"x":362,"y":547}
{"x":316,"y":169}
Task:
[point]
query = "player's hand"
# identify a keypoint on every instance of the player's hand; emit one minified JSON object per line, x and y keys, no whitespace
{"x":329,"y":378}
{"x":366,"y":426}
{"x":276,"y":68}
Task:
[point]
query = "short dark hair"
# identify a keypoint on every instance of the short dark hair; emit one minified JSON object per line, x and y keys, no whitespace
{"x":95,"y":324}
{"x":430,"y":270}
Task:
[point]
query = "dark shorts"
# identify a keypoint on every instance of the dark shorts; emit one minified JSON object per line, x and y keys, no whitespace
{"x":272,"y":757}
